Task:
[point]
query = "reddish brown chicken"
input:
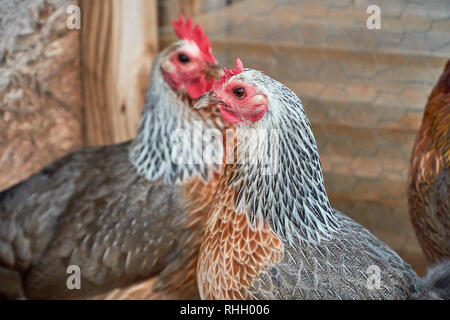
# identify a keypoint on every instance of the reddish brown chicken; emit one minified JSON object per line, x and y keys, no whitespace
{"x":429,"y":175}
{"x":128,"y":215}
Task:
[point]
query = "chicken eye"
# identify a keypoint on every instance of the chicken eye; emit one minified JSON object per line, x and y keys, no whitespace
{"x":183,"y":58}
{"x":239,"y":92}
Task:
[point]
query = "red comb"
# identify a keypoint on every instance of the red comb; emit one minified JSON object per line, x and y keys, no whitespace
{"x":185,"y":31}
{"x":228,"y":73}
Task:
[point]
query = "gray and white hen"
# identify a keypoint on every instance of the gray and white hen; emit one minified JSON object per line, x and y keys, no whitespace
{"x":271,"y":232}
{"x":127,"y":215}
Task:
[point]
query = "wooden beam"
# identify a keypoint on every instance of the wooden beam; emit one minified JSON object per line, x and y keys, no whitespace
{"x":119,"y":40}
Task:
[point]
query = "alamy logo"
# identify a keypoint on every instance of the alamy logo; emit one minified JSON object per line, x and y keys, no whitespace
{"x":74,"y":280}
{"x":374,"y":20}
{"x":255,"y":146}
{"x":74,"y":19}
{"x":374,"y":279}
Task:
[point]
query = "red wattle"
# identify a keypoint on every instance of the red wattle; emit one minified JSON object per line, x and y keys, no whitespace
{"x":229,"y":116}
{"x":195,"y":90}
{"x":199,"y":87}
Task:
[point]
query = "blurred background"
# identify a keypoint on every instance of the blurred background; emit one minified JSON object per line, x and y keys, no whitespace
{"x":364,"y":90}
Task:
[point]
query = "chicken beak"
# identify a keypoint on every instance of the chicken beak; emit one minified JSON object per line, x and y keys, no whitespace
{"x":208,"y":99}
{"x":212,"y":71}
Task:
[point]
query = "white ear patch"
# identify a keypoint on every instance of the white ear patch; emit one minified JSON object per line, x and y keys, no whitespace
{"x":168,"y":66}
{"x":259,"y":99}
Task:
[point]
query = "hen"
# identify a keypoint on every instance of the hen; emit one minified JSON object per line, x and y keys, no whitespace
{"x":127,"y":215}
{"x":271,"y":232}
{"x":429,"y":175}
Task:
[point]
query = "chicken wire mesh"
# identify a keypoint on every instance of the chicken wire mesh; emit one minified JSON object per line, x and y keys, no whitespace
{"x":363,"y":89}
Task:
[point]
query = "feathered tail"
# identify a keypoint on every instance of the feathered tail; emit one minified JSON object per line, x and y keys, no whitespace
{"x":436,"y":284}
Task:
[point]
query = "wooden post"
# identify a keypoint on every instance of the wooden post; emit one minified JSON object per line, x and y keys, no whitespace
{"x":119,"y":40}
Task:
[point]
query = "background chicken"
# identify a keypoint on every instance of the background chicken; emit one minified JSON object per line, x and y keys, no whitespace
{"x":273,"y":234}
{"x":123,"y":213}
{"x":429,"y":174}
